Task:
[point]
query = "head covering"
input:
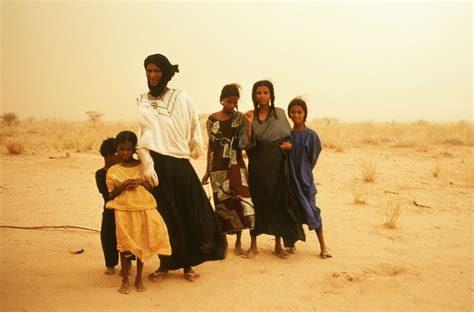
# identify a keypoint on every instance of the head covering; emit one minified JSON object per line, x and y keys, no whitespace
{"x":167,"y":70}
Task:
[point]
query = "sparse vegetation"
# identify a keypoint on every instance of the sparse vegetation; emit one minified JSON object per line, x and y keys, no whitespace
{"x":435,"y":170}
{"x":37,"y":135}
{"x":360,"y":195}
{"x":10,"y":119}
{"x":420,"y":135}
{"x":94,"y":117}
{"x":14,"y":147}
{"x":392,"y":214}
{"x":368,"y":167}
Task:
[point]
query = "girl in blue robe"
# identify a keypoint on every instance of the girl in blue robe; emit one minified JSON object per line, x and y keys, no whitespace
{"x":302,"y":159}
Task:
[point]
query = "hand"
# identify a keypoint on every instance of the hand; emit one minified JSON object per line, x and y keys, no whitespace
{"x":249,"y":117}
{"x":148,"y":166}
{"x":205,"y":179}
{"x":286,"y":146}
{"x":150,"y":175}
{"x":130,"y":184}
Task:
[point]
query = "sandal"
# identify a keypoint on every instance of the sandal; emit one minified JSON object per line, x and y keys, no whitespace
{"x":291,"y":250}
{"x":157,"y":276}
{"x":191,"y":276}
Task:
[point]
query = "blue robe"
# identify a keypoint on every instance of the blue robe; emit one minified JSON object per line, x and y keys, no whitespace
{"x":303,"y":157}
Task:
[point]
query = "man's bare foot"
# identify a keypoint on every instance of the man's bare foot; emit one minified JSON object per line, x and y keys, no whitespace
{"x":124,"y":288}
{"x":110,"y":271}
{"x":238,"y":251}
{"x":250,"y":253}
{"x":139,"y":285}
{"x":281,"y":253}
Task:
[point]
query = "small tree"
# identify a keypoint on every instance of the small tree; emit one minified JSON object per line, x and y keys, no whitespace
{"x":10,"y":118}
{"x":94,"y":117}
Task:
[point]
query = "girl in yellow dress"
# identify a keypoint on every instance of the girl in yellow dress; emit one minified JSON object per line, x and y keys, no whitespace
{"x":140,"y":229}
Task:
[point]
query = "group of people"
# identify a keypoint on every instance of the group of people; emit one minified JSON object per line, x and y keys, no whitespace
{"x":156,"y":204}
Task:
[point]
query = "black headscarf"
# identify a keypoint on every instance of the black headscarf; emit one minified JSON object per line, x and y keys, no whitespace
{"x":167,"y":70}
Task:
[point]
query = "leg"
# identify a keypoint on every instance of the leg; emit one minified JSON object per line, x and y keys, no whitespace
{"x":279,"y":250}
{"x":252,"y":251}
{"x":324,"y":252}
{"x":126,"y":262}
{"x":190,"y":275}
{"x":138,"y":279}
{"x":108,"y":241}
{"x":238,"y":244}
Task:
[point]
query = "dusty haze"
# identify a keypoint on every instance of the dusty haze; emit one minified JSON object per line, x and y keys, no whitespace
{"x":353,"y":61}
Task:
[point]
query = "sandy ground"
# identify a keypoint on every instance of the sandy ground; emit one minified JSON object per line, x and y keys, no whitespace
{"x":425,"y":264}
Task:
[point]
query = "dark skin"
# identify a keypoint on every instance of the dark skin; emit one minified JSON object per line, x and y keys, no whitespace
{"x":297,"y":115}
{"x":229,"y":105}
{"x":154,"y":75}
{"x":125,"y":153}
{"x":262,"y":96}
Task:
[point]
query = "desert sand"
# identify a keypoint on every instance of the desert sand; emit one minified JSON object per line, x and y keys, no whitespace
{"x":424,"y":263}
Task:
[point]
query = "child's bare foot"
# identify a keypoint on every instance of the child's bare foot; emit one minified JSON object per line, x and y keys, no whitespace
{"x":139,"y":285}
{"x":124,"y":288}
{"x":110,"y":271}
{"x":281,"y":253}
{"x":238,"y":251}
{"x":250,"y":253}
{"x":325,"y":254}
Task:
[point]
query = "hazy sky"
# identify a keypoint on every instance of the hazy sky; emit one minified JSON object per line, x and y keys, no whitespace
{"x":354,"y":61}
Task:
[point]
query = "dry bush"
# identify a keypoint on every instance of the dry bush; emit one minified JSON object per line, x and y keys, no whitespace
{"x":360,"y":195}
{"x":435,"y":170}
{"x":14,"y":147}
{"x":368,"y":167}
{"x":420,"y":134}
{"x":392,"y":214}
{"x":10,"y":119}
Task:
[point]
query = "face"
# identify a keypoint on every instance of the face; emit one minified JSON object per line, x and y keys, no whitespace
{"x":229,"y":103}
{"x":297,"y":114}
{"x":112,"y":159}
{"x":125,"y":151}
{"x":262,"y":95}
{"x":153,"y":74}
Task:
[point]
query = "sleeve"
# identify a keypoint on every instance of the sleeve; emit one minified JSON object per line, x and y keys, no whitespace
{"x":196,"y":143}
{"x":110,"y":182}
{"x":101,"y":184}
{"x":148,"y":165}
{"x":314,"y":148}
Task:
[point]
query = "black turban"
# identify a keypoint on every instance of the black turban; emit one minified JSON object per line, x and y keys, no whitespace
{"x":167,"y":70}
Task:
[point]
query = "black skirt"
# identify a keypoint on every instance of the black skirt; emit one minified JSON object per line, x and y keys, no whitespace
{"x":277,"y":211}
{"x":194,"y":231}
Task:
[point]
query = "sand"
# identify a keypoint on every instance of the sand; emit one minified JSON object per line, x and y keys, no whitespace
{"x":424,"y":264}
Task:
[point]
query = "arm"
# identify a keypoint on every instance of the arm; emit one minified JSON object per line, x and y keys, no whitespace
{"x":205,"y":178}
{"x":101,"y":184}
{"x":246,"y":137}
{"x":148,"y":166}
{"x":127,"y":184}
{"x":316,"y":149}
{"x":196,"y":143}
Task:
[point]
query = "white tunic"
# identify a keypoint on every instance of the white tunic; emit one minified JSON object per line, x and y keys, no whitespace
{"x":169,"y":125}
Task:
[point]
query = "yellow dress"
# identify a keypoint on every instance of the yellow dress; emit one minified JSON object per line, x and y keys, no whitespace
{"x":140,"y":228}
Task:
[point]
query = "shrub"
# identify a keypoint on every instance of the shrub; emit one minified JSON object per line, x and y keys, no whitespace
{"x":14,"y":147}
{"x":10,"y":118}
